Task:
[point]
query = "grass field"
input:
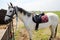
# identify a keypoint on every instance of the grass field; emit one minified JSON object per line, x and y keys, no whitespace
{"x":56,"y":12}
{"x":43,"y":34}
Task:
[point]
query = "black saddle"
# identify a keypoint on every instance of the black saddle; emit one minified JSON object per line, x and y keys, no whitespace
{"x":37,"y":19}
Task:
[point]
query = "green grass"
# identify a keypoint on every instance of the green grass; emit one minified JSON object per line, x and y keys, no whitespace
{"x":42,"y":34}
{"x":56,"y":12}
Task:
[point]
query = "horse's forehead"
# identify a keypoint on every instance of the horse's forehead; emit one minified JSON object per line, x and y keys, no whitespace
{"x":8,"y":11}
{"x":11,"y":9}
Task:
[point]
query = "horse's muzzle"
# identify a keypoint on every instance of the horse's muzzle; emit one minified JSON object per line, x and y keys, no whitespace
{"x":7,"y":21}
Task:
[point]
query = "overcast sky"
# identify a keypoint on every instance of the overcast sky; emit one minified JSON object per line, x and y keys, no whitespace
{"x":33,"y":5}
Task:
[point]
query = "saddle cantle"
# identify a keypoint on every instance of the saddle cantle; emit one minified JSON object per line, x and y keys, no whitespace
{"x":41,"y":18}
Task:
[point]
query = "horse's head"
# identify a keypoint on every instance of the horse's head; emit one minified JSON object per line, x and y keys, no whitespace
{"x":10,"y":13}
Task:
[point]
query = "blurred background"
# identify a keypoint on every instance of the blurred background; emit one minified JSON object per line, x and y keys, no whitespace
{"x":36,"y":6}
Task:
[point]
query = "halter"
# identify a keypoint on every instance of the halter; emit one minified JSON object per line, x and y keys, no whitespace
{"x":14,"y":12}
{"x":9,"y":16}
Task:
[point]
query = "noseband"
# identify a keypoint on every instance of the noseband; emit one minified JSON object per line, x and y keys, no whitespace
{"x":9,"y":16}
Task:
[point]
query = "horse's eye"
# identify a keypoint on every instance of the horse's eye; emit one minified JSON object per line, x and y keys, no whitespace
{"x":10,"y":11}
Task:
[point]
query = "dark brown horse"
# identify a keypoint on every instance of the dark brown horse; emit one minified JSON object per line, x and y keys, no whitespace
{"x":2,"y":15}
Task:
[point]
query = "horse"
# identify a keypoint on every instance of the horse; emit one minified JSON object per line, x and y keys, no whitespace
{"x":26,"y":18}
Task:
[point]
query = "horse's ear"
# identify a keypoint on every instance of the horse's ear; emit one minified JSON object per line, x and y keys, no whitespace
{"x":8,"y":5}
{"x":11,"y":4}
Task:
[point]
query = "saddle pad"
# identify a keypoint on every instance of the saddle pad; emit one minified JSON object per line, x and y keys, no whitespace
{"x":44,"y":18}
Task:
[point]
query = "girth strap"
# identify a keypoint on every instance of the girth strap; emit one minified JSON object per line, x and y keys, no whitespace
{"x":37,"y":25}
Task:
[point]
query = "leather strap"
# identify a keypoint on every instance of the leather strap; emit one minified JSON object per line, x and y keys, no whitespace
{"x":9,"y":16}
{"x":37,"y":26}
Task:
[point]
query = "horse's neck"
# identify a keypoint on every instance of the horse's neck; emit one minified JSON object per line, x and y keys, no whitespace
{"x":24,"y":18}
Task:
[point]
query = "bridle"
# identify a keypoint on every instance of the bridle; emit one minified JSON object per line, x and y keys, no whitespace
{"x":9,"y":16}
{"x":14,"y":12}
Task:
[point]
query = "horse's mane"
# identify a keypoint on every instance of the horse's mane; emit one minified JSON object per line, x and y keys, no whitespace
{"x":24,"y":11}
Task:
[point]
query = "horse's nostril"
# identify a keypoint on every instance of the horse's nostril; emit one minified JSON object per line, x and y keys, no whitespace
{"x":6,"y":21}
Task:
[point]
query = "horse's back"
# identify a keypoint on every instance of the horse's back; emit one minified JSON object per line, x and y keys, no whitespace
{"x":51,"y":14}
{"x":53,"y":18}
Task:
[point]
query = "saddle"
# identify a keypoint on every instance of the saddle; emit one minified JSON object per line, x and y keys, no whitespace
{"x":41,"y":18}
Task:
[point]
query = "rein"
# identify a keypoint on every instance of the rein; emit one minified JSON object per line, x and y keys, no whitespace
{"x":16,"y":16}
